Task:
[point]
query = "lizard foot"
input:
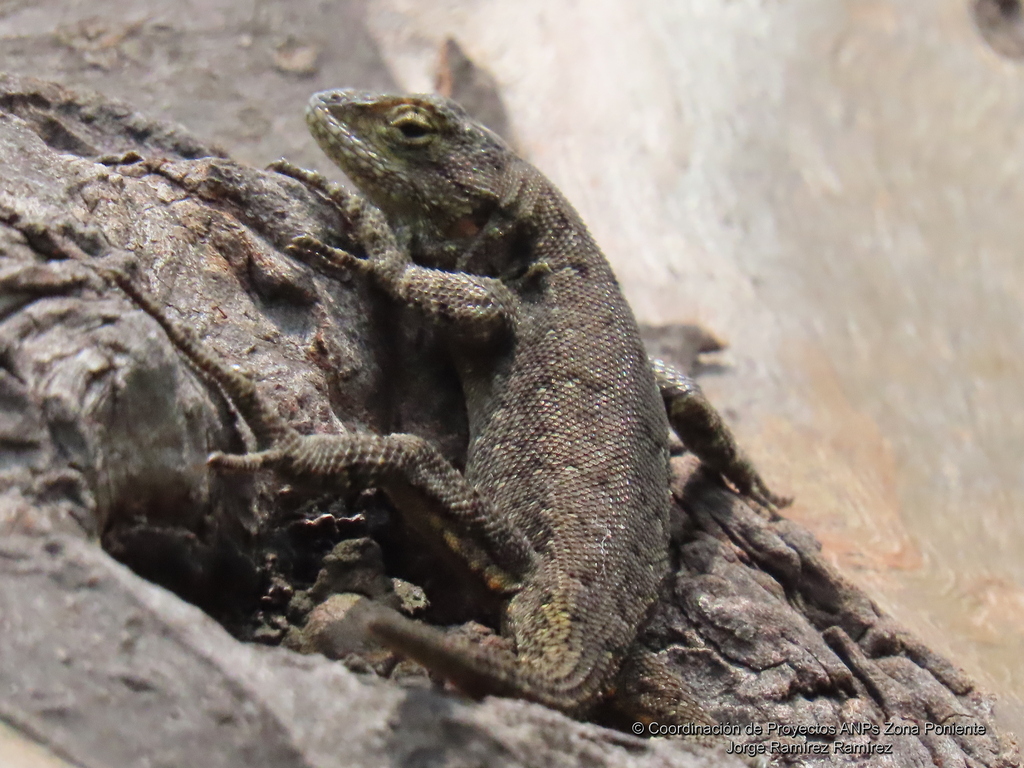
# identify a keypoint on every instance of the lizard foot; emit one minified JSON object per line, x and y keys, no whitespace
{"x":317,"y":182}
{"x":745,"y":478}
{"x":704,"y":432}
{"x":323,"y":257}
{"x":245,"y":462}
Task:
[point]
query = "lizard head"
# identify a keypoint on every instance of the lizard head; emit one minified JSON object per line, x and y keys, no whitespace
{"x":420,"y":159}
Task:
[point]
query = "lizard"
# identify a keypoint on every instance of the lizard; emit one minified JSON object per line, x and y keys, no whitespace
{"x":563,"y":506}
{"x":567,"y":434}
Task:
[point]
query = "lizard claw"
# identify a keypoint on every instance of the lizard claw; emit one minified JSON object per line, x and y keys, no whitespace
{"x":746,"y":480}
{"x":316,"y":182}
{"x":323,"y":257}
{"x":312,"y":179}
{"x":242,"y":462}
{"x":766,"y":498}
{"x":286,"y":167}
{"x":755,"y":489}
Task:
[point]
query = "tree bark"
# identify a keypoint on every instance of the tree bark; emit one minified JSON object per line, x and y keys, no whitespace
{"x":104,"y":430}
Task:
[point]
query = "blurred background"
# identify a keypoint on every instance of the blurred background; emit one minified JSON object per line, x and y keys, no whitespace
{"x":831,"y":187}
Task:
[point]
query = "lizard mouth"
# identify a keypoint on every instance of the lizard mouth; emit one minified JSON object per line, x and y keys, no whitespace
{"x":407,"y":155}
{"x":347,"y":125}
{"x":330,"y":115}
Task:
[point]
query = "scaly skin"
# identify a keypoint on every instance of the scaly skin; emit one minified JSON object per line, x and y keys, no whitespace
{"x":568,"y":434}
{"x":563,"y":506}
{"x":567,"y":429}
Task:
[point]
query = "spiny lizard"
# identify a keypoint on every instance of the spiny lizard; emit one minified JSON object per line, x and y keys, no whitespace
{"x":564,"y":503}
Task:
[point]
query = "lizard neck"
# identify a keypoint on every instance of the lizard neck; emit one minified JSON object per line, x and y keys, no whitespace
{"x":520,"y":225}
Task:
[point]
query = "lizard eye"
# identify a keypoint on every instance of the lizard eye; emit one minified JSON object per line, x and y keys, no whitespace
{"x":414,"y":129}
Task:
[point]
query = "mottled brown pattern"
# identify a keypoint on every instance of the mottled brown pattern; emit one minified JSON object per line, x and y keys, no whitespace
{"x":567,"y":435}
{"x":563,"y":505}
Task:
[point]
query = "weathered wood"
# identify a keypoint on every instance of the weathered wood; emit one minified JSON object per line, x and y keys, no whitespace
{"x":105,"y":430}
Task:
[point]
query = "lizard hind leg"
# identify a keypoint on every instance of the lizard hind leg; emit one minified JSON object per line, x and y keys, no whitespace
{"x":269,"y":429}
{"x":705,"y":433}
{"x":650,"y":692}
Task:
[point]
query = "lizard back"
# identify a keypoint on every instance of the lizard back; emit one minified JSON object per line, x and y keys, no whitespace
{"x":569,"y":439}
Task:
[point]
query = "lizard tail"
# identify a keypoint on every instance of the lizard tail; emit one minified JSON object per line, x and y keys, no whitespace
{"x":478,"y":671}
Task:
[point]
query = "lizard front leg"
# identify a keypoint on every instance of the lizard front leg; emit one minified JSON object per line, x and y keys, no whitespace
{"x":434,"y":497}
{"x":474,"y":308}
{"x":705,"y":433}
{"x":340,"y":197}
{"x":471,"y":307}
{"x":432,"y":494}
